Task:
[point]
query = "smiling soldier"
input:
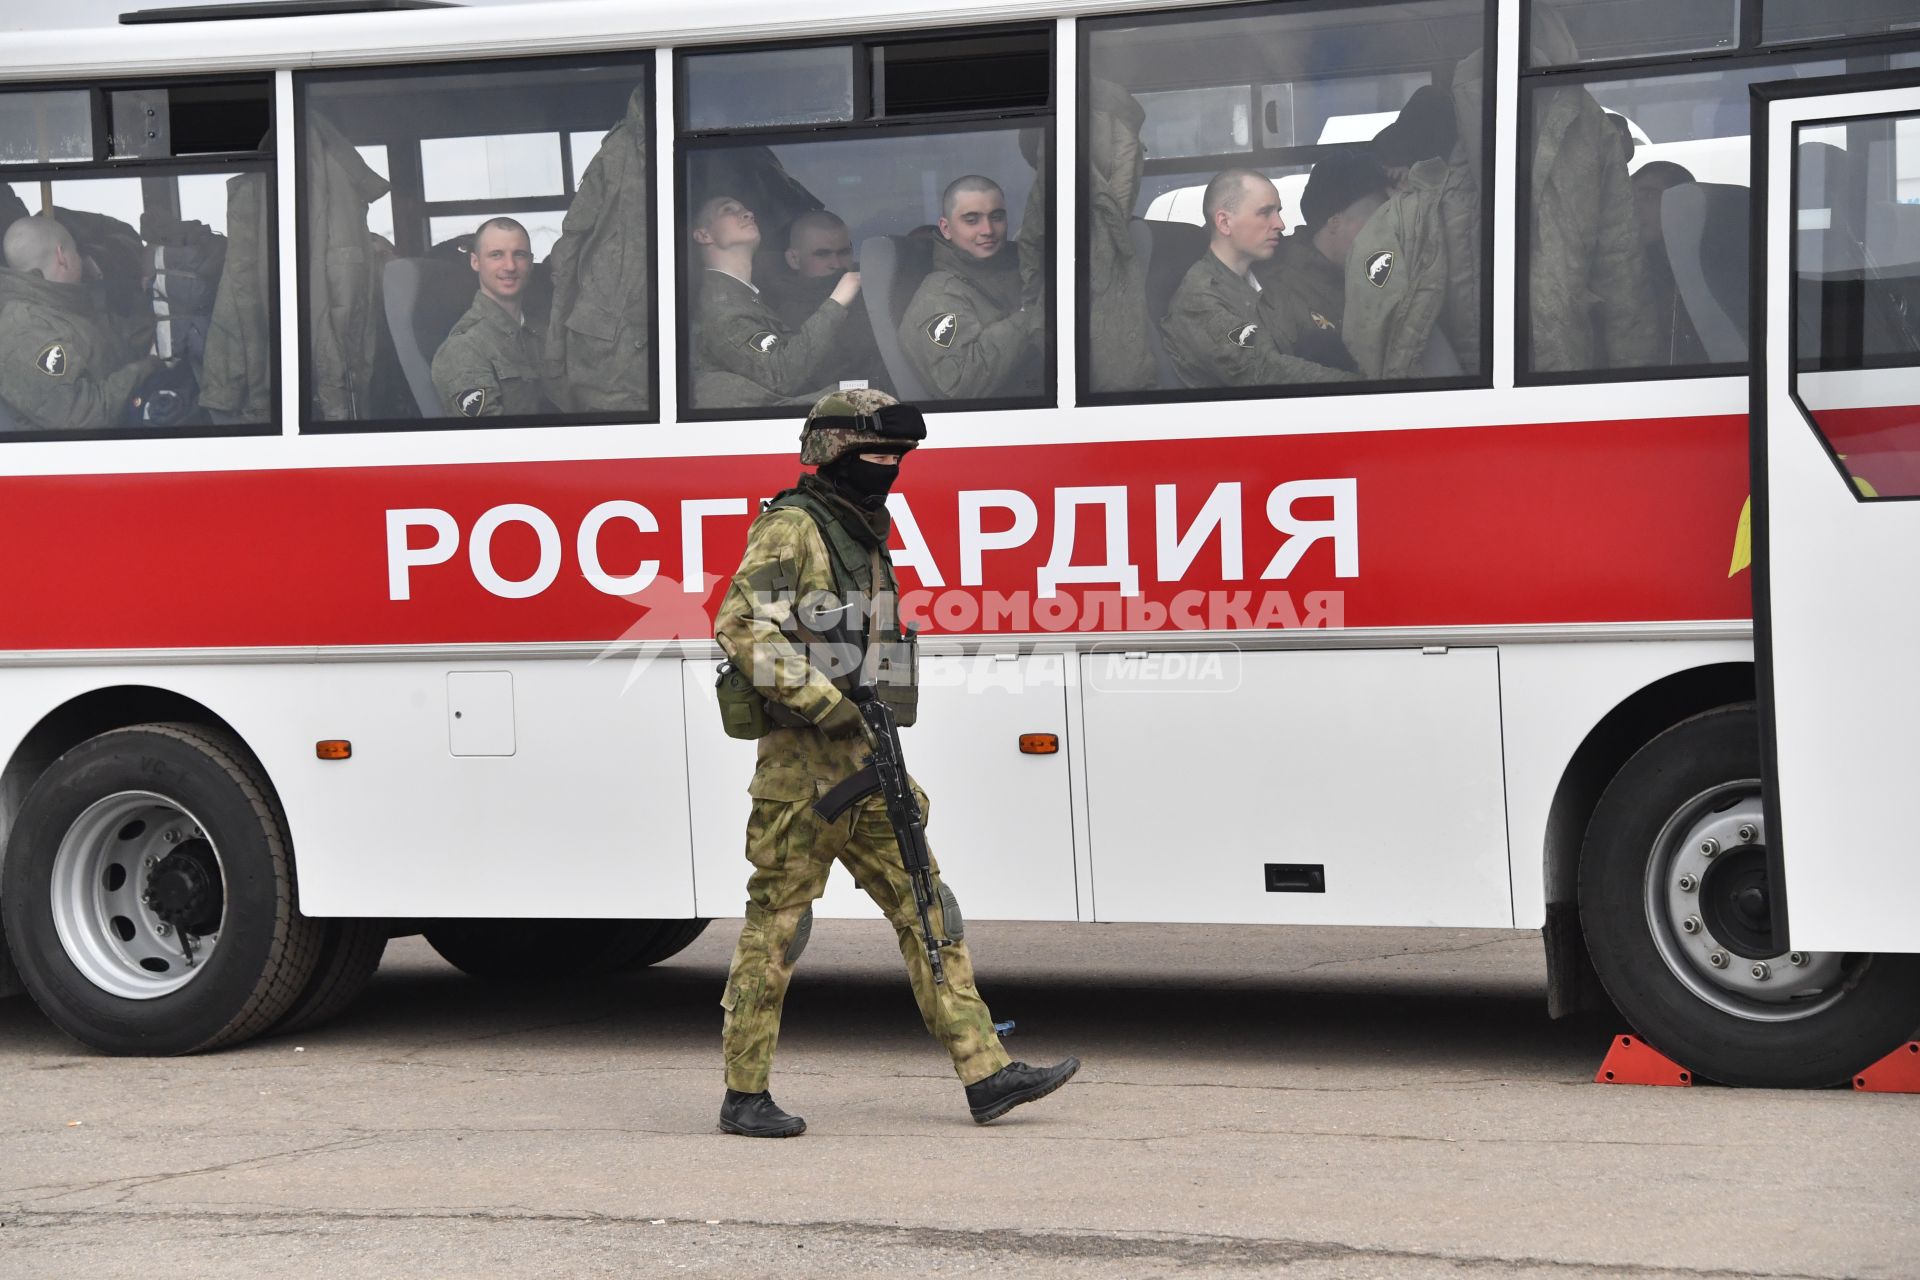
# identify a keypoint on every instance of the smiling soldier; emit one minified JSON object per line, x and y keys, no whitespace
{"x":965,"y":332}
{"x":489,"y":366}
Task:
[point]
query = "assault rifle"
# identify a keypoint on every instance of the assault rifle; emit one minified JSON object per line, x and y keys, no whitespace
{"x":886,"y":772}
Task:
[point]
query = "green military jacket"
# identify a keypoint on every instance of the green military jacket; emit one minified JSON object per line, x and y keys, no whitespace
{"x":602,"y":325}
{"x":1120,"y":352}
{"x":236,"y":378}
{"x":853,"y":356}
{"x":1304,"y":294}
{"x":741,"y":335}
{"x":965,"y":332}
{"x":65,"y":363}
{"x":489,"y":366}
{"x":1222,"y":332}
{"x":786,"y":564}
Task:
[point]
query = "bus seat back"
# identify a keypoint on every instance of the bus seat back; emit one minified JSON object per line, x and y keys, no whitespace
{"x":1705,"y":225}
{"x":891,"y":268}
{"x":1140,"y":236}
{"x":424,"y":299}
{"x":1176,"y":246}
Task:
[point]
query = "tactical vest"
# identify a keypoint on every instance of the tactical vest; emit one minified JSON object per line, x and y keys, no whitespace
{"x":889,"y":653}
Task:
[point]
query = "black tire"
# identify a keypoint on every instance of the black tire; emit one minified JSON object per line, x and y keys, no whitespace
{"x":266,"y":950}
{"x":1871,"y":1004}
{"x":665,"y":939}
{"x":518,"y":951}
{"x":349,"y":957}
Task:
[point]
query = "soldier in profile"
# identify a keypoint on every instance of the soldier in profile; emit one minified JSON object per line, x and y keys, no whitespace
{"x":489,"y":366}
{"x":66,"y":363}
{"x":745,"y":354}
{"x":826,"y":538}
{"x":1222,"y":329}
{"x":965,"y":332}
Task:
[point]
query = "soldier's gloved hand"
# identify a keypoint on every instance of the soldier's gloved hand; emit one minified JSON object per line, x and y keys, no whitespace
{"x":843,"y":720}
{"x":165,"y":397}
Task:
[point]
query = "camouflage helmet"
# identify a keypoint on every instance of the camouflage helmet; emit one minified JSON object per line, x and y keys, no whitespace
{"x":842,"y":421}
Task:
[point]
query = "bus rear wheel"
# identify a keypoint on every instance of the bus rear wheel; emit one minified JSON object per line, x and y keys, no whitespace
{"x":1676,"y":904}
{"x":554,"y":950}
{"x":148,"y":894}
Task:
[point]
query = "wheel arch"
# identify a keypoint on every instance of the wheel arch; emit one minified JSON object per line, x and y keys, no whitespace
{"x":95,"y":712}
{"x":1635,"y":721}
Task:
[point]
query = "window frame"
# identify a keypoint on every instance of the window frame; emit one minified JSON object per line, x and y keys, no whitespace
{"x":922,"y":124}
{"x":425,"y":73}
{"x":1673,"y":65}
{"x":1083,"y":318}
{"x":262,"y":161}
{"x":1750,"y":15}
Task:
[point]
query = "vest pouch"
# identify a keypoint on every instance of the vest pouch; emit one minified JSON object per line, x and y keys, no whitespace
{"x":743,"y":709}
{"x":898,"y":677}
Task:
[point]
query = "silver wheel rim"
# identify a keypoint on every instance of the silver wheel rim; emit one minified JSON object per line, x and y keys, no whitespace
{"x":1690,"y":921}
{"x":103,"y":883}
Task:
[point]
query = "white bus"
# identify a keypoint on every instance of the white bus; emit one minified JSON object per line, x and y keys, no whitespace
{"x":306,"y":648}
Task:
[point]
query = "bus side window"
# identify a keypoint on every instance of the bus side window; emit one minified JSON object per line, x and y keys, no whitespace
{"x":1635,"y":182}
{"x":479,"y":245}
{"x":1274,"y":198}
{"x":896,"y":251}
{"x":136,"y":296}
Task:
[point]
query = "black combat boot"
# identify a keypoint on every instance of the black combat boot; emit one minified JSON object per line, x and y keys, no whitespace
{"x":1014,"y":1084}
{"x":757,"y":1115}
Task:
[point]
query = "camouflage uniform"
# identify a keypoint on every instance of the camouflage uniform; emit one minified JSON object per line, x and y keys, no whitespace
{"x":789,"y":846}
{"x":489,"y":366}
{"x":739,"y":334}
{"x":965,"y":332}
{"x":65,"y":363}
{"x":1222,"y":332}
{"x":1302,"y":294}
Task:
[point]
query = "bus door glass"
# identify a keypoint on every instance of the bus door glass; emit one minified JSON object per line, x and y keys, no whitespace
{"x":1836,"y":510}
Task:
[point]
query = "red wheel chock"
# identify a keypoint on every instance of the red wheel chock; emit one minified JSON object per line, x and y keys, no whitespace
{"x":1634,"y":1061}
{"x":1898,"y":1072}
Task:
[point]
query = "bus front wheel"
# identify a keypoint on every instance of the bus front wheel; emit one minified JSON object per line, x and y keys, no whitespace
{"x":1676,"y":903}
{"x":148,"y":895}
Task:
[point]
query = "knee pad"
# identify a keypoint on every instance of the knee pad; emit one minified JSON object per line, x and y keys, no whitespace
{"x":950,"y":914}
{"x":801,"y":933}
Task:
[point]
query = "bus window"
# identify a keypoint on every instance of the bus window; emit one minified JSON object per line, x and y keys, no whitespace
{"x":1600,"y":30}
{"x":1783,"y":21}
{"x":1856,"y":263}
{"x":1280,"y":198}
{"x":136,"y":295}
{"x":898,"y":251}
{"x":1637,"y":248}
{"x":478,"y":245}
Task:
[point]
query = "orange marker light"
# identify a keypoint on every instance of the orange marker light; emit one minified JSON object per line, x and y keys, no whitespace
{"x":1039,"y":744}
{"x":333,"y":749}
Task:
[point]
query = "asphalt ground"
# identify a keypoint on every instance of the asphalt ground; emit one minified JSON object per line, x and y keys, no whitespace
{"x":1305,"y":1103}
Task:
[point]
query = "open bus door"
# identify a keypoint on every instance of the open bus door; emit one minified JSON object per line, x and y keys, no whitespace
{"x":1835,"y":521}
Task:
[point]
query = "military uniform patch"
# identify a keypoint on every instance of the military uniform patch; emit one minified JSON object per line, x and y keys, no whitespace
{"x":940,"y":329}
{"x":1243,"y":336}
{"x":1379,"y":267}
{"x":1322,"y":321}
{"x":764,"y":341}
{"x":53,"y":360}
{"x":473,"y":403}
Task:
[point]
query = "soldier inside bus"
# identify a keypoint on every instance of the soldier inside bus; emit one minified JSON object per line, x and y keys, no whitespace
{"x":965,"y":332}
{"x":744,"y":354}
{"x":489,"y":366}
{"x":818,"y":254}
{"x":1223,"y":328}
{"x":1305,"y":282}
{"x":67,"y":363}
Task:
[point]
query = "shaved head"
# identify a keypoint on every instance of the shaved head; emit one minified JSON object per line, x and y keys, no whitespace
{"x":1228,"y":189}
{"x":972,"y":184}
{"x":38,"y":243}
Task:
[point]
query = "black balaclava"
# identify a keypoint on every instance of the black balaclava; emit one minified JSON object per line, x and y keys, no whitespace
{"x":866,"y":483}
